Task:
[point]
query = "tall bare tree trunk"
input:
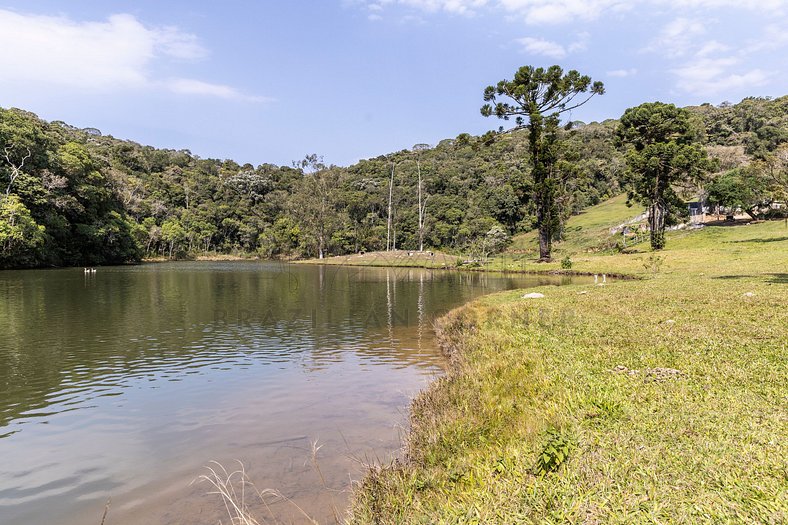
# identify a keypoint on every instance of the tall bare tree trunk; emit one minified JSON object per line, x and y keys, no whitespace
{"x":388,"y":225}
{"x":421,"y":211}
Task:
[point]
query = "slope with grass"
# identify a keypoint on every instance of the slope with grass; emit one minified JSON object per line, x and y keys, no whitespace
{"x":662,"y":399}
{"x":588,"y":230}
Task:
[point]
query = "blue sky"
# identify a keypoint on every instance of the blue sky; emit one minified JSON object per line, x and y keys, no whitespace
{"x":272,"y":81}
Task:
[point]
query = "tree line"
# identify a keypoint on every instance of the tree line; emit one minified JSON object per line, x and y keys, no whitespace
{"x":74,"y":196}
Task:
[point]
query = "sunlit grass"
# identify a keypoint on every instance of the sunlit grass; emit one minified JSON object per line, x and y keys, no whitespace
{"x":667,"y":393}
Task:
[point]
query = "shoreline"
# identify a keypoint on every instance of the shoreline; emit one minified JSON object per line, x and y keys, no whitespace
{"x":527,"y":266}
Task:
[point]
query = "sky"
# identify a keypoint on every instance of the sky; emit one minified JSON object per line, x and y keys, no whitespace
{"x":271,"y":81}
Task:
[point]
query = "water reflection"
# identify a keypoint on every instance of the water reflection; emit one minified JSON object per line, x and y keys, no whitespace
{"x":125,"y":382}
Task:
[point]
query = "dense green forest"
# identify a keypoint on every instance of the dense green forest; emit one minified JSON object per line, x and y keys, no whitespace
{"x":73,"y":196}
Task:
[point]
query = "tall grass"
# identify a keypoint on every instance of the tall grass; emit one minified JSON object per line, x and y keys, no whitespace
{"x":238,"y":494}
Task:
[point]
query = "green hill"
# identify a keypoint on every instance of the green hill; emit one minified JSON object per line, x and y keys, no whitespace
{"x":80,"y":197}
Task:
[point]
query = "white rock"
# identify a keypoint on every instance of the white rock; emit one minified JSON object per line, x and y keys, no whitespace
{"x":749,"y":294}
{"x":583,"y":292}
{"x":533,"y":295}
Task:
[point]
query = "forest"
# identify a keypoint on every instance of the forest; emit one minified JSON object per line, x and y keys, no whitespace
{"x":78,"y":197}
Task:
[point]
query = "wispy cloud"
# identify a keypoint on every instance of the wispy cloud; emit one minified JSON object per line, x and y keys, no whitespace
{"x":773,"y":37}
{"x":457,"y":7}
{"x":755,"y":5}
{"x":548,"y":48}
{"x":682,"y":39}
{"x":708,"y":77}
{"x":189,"y":86}
{"x":538,"y":46}
{"x":707,"y":67}
{"x":622,"y":73}
{"x":711,"y":47}
{"x":98,"y":56}
{"x":535,"y":12}
{"x":677,"y":37}
{"x":561,"y":11}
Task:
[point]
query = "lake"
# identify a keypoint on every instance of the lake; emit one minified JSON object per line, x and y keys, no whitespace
{"x":126,"y":383}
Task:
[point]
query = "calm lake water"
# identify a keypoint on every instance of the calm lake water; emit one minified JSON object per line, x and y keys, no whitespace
{"x":125,"y":383}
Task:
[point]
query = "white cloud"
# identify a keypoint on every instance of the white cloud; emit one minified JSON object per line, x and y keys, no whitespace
{"x":548,"y":48}
{"x":188,"y":86}
{"x":755,"y":5}
{"x":538,"y":46}
{"x":91,"y":55}
{"x":711,"y":47}
{"x":178,"y":44}
{"x":677,"y":37}
{"x":771,"y":38}
{"x":706,"y":67}
{"x":561,"y":11}
{"x":533,"y":11}
{"x":568,"y":11}
{"x":460,"y":7}
{"x":709,"y":76}
{"x":622,"y":73}
{"x":117,"y":53}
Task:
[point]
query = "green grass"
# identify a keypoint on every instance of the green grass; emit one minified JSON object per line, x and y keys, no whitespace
{"x":589,"y":230}
{"x":657,"y":400}
{"x":712,"y":250}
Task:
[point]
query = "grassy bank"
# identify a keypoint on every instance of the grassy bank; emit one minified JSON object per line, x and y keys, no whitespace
{"x":657,"y":400}
{"x":395,"y":258}
{"x":207,"y":257}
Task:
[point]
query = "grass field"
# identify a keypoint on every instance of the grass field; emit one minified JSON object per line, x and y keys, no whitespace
{"x":657,"y":400}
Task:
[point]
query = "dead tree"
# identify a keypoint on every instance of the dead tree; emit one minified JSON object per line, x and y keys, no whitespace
{"x":16,"y":169}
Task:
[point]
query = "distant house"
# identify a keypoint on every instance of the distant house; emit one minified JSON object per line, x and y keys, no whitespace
{"x":697,"y":211}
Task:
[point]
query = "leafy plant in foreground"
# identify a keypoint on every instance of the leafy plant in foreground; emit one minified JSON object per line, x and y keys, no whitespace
{"x":555,"y":452}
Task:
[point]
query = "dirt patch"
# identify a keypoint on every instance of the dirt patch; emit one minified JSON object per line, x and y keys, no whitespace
{"x":658,"y":374}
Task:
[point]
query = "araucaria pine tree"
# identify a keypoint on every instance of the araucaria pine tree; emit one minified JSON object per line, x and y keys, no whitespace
{"x":663,"y":153}
{"x":536,"y":98}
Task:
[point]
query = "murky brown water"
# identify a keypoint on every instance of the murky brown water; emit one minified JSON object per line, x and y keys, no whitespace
{"x":126,"y":383}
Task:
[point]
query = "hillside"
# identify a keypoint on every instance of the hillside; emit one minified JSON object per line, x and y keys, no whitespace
{"x":79,"y":197}
{"x":589,"y":229}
